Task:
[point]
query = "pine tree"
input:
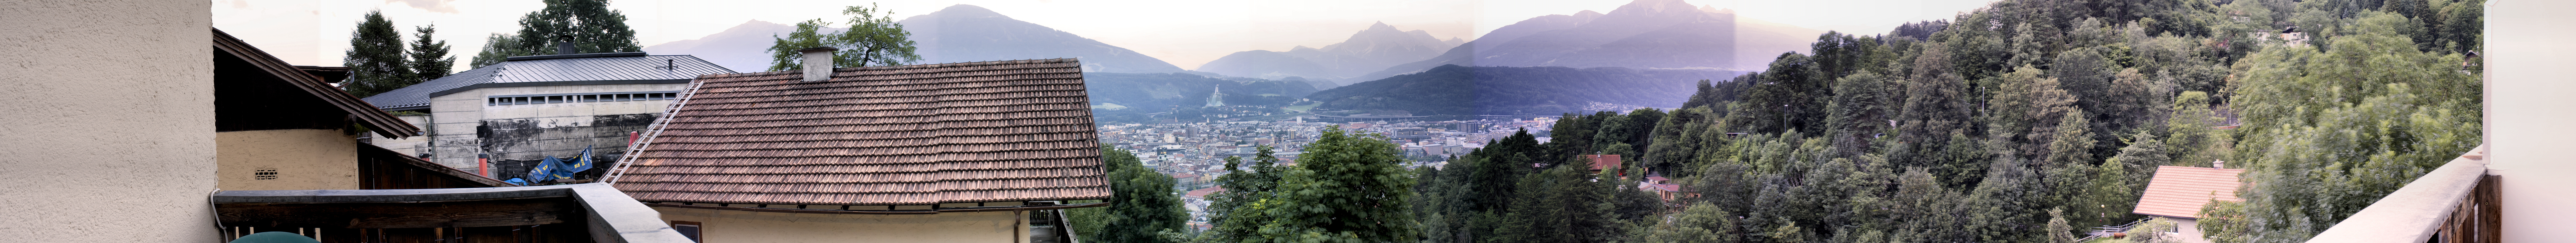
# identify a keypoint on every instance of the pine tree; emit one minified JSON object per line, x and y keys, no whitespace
{"x":1234,"y":214}
{"x":375,"y":58}
{"x":498,"y":48}
{"x":429,"y":57}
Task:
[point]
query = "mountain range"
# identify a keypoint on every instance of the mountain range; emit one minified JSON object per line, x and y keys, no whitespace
{"x":1654,"y":34}
{"x":1462,"y":90}
{"x":1376,"y":48}
{"x":960,"y":33}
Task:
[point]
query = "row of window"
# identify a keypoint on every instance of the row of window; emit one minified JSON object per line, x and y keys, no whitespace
{"x":546,"y":99}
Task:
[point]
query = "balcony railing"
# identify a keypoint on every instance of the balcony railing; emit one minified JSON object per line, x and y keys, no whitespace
{"x":2456,"y":203}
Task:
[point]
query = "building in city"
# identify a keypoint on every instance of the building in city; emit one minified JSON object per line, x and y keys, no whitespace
{"x":957,"y":152}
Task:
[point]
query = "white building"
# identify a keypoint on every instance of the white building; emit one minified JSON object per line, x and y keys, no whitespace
{"x":519,"y":111}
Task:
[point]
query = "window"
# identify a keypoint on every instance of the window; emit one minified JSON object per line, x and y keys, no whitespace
{"x":570,"y":98}
{"x":264,"y":174}
{"x":688,"y":228}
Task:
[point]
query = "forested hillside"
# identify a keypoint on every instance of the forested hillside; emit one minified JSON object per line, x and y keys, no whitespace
{"x":2024,"y":121}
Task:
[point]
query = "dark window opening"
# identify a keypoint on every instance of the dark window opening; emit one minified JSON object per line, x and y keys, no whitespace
{"x":688,"y":228}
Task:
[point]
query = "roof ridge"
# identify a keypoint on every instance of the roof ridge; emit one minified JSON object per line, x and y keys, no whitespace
{"x":901,"y":67}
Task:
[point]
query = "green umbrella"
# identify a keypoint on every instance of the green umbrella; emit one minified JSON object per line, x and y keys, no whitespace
{"x":274,"y":237}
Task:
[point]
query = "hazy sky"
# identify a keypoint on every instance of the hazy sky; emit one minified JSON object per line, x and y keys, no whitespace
{"x":1186,"y":33}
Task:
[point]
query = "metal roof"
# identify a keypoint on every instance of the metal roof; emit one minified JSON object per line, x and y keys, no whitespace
{"x":569,"y":70}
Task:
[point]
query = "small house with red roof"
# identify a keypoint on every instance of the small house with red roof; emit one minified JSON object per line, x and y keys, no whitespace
{"x":1604,"y":162}
{"x":2177,"y":194}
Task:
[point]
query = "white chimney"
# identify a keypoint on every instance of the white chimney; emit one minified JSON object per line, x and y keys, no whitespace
{"x":818,"y":63}
{"x":2220,"y":164}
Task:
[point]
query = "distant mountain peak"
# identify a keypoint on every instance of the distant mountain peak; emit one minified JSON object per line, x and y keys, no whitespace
{"x":1587,"y":14}
{"x":970,"y":11}
{"x":1381,"y":25}
{"x":1657,"y":8}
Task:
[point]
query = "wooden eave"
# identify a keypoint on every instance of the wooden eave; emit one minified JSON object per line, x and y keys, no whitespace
{"x":377,"y":120}
{"x":934,"y":211}
{"x":434,"y":167}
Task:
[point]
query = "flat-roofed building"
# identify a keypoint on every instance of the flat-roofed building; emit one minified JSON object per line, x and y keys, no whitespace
{"x":517,"y":112}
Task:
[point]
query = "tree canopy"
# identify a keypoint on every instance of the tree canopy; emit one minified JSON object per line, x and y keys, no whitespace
{"x":872,"y":38}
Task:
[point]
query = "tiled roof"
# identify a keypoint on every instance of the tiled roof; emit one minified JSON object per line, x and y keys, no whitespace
{"x":1203,"y":192}
{"x":1603,"y":161}
{"x":638,"y":67}
{"x":1669,"y":187}
{"x":2180,"y":191}
{"x":895,"y":135}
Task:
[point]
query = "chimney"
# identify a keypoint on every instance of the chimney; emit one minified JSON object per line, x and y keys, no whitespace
{"x":564,"y":48}
{"x":818,"y":63}
{"x":2220,"y":164}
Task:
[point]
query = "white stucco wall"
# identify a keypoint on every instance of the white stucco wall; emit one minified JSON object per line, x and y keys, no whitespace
{"x":107,"y":124}
{"x":734,"y":226}
{"x":407,"y":146}
{"x":2527,"y":118}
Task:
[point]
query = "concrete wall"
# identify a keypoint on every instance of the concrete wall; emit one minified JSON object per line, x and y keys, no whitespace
{"x":110,"y":121}
{"x":407,"y":146}
{"x":732,"y":226}
{"x":525,"y":133}
{"x":2527,"y":119}
{"x":304,"y":159}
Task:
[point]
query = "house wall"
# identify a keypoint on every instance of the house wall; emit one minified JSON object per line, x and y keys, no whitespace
{"x":304,"y":159}
{"x":733,"y":226}
{"x":2186,"y":229}
{"x":2527,"y":116}
{"x":110,"y":120}
{"x":462,"y":126}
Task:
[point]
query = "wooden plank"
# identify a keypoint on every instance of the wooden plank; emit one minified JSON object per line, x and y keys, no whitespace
{"x":506,"y":212}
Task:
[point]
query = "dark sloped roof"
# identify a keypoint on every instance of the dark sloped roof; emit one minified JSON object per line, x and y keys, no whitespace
{"x":266,"y":65}
{"x":635,"y":67}
{"x":895,"y":135}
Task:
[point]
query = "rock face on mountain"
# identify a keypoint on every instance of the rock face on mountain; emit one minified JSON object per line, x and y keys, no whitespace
{"x":743,"y":48}
{"x":1376,"y":48}
{"x":1654,"y":34}
{"x":966,"y":33}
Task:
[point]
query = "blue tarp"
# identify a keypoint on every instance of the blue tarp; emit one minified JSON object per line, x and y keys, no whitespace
{"x":580,"y":164}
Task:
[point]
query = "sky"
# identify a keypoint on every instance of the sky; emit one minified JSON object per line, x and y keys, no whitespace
{"x":1186,"y":33}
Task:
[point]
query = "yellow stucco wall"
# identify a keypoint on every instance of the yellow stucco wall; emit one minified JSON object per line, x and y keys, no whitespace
{"x":305,"y":159}
{"x":733,"y":226}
